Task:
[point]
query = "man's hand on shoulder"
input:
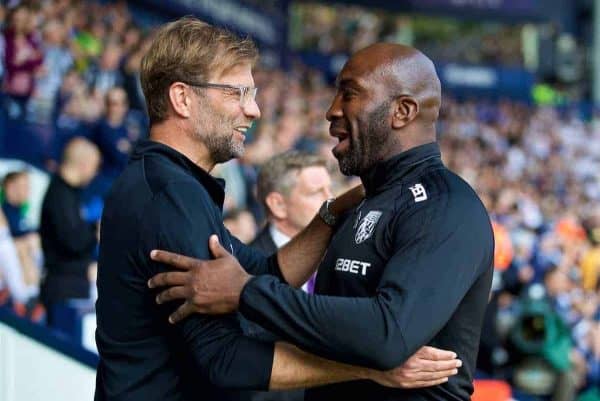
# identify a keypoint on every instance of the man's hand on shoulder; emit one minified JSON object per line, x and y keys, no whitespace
{"x":208,"y":286}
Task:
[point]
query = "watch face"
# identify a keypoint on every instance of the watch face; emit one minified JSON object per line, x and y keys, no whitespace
{"x":325,"y":214}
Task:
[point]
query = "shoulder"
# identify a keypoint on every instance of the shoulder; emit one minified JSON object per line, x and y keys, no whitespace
{"x":165,"y":179}
{"x":56,"y":190}
{"x":437,"y":188}
{"x":435,"y":200}
{"x":264,"y":242}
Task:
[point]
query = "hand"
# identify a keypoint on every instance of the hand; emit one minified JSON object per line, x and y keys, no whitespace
{"x":427,"y":367}
{"x":208,"y":286}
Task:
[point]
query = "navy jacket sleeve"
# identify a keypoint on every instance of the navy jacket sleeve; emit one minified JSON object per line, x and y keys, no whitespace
{"x":436,"y":260}
{"x":185,"y":219}
{"x":254,"y":261}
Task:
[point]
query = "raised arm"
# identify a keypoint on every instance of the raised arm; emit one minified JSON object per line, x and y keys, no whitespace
{"x":295,"y":262}
{"x":299,"y":258}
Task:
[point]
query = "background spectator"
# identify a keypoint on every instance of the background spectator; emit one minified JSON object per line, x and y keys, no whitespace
{"x":22,"y":57}
{"x":13,"y":286}
{"x":67,"y":240}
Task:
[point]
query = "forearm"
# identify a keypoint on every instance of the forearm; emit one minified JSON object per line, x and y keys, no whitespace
{"x":327,"y":325}
{"x":299,"y":258}
{"x":294,"y":368}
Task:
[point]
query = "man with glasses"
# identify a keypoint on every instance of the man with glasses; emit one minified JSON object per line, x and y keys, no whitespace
{"x":200,"y":92}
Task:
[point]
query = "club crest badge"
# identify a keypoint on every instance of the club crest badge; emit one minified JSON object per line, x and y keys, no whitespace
{"x":367,"y":226}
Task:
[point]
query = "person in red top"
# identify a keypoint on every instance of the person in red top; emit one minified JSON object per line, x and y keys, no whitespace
{"x":22,"y":57}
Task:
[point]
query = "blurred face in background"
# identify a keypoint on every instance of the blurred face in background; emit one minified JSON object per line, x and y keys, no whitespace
{"x":312,"y":187}
{"x":17,"y":190}
{"x":557,"y":282}
{"x":88,"y":168}
{"x":20,"y":19}
{"x":132,"y":37}
{"x":54,"y":33}
{"x":111,"y":57}
{"x":2,"y":15}
{"x":116,"y":106}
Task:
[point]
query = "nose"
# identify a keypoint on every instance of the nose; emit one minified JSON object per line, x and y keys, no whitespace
{"x":251,"y":109}
{"x":334,"y":111}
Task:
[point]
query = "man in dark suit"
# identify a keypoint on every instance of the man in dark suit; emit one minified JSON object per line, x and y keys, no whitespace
{"x":291,"y":186}
{"x":264,"y":241}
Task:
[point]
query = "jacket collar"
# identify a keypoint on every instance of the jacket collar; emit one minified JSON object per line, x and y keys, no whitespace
{"x":214,"y":186}
{"x":387,"y":172}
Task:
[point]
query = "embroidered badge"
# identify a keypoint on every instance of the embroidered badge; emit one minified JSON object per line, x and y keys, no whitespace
{"x":367,"y":226}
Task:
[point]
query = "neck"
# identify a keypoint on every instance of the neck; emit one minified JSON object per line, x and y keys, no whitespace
{"x":409,"y":139}
{"x":285,"y":228}
{"x":173,"y":135}
{"x":115,"y":121}
{"x":11,"y":201}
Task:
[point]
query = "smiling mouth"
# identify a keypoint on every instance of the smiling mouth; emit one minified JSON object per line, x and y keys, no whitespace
{"x":241,"y":130}
{"x":342,"y":147}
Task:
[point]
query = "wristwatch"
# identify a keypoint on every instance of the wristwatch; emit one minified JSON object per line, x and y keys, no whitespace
{"x":328,"y":218}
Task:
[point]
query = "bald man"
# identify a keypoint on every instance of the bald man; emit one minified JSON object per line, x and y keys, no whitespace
{"x":410,"y":266}
{"x":68,"y":241}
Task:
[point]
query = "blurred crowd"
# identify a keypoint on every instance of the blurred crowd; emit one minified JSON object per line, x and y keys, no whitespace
{"x":537,"y":171}
{"x":61,"y":60}
{"x":71,"y":69}
{"x":346,"y":29}
{"x":70,"y":97}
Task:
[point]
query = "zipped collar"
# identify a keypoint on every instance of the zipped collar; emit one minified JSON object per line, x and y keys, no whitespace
{"x":214,"y":186}
{"x":385,"y":173}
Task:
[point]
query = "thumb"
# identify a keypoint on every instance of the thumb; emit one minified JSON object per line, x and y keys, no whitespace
{"x":216,"y":248}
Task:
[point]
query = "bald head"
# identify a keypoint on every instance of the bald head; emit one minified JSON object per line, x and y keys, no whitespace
{"x":401,"y":70}
{"x":387,"y":102}
{"x":79,"y":150}
{"x":81,"y":159}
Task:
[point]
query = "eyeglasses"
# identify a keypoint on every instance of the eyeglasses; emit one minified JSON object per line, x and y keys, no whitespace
{"x":246,"y":93}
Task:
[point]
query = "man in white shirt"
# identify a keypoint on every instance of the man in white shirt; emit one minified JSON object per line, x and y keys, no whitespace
{"x":292,"y":186}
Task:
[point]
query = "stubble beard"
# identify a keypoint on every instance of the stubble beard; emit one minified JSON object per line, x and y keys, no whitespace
{"x":217,"y":135}
{"x":365,"y":150}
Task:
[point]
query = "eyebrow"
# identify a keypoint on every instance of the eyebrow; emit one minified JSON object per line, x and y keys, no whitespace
{"x":347,"y":82}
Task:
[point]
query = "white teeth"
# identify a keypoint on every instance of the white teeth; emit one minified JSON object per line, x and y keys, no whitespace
{"x":241,"y":129}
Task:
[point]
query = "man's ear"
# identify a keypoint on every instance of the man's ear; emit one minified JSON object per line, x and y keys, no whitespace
{"x":405,"y":110}
{"x":277,"y":206}
{"x":179,"y":97}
